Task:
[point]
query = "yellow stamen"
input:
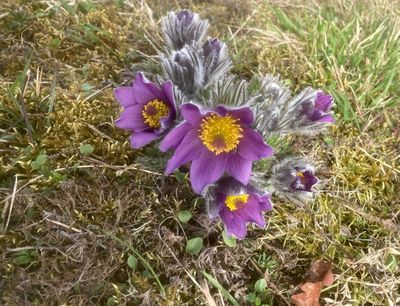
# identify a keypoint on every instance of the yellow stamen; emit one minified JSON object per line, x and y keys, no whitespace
{"x":299,"y":174}
{"x":233,"y":202}
{"x":220,"y":134}
{"x":153,"y":111}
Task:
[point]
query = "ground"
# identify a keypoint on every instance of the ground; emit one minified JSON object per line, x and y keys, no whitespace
{"x":84,"y":222}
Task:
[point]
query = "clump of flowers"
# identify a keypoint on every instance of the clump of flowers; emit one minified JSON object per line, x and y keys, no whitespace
{"x":218,"y":125}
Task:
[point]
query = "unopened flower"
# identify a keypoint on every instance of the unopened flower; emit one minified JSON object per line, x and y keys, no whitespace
{"x":309,"y":112}
{"x":215,"y":141}
{"x":216,"y":61}
{"x":149,"y":111}
{"x":183,"y":28}
{"x":317,"y":109}
{"x":237,"y":204}
{"x":294,"y":178}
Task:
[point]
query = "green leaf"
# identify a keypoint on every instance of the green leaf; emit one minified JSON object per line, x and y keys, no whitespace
{"x":41,"y":159}
{"x":22,"y":258}
{"x":251,"y":297}
{"x":30,"y":213}
{"x":112,"y":301}
{"x":35,"y":165}
{"x":180,"y":176}
{"x":184,"y":216}
{"x":260,"y":285}
{"x":217,"y":285}
{"x":86,"y":87}
{"x":391,"y":262}
{"x":86,"y":149}
{"x":194,"y":245}
{"x":132,"y":262}
{"x":229,"y":241}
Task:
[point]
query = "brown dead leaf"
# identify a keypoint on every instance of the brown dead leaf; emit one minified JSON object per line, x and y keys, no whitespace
{"x":319,"y":275}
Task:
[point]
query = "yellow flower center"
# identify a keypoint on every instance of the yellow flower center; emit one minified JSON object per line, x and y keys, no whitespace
{"x":220,"y":134}
{"x":153,"y":111}
{"x":234,"y":202}
{"x":301,"y":176}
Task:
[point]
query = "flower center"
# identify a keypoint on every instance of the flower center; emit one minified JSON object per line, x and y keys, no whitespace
{"x":301,"y":176}
{"x":153,"y":111}
{"x":220,"y":134}
{"x":234,"y":202}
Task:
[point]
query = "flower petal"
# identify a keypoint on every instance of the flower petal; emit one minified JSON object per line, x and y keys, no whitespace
{"x":239,"y":168}
{"x":141,"y":139}
{"x":132,"y":119}
{"x":125,"y":96}
{"x":174,"y":138}
{"x":252,"y":146}
{"x":234,"y":224}
{"x":326,"y":118}
{"x":189,"y":149}
{"x":146,"y":91}
{"x":168,"y":90}
{"x":191,"y":113}
{"x":251,"y":212}
{"x":323,"y":101}
{"x":244,"y":114}
{"x":207,"y":169}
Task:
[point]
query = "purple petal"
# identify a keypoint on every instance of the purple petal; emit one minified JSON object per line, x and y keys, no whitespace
{"x":326,"y":118}
{"x":239,"y":168}
{"x":146,"y":91}
{"x":189,"y":149}
{"x":141,"y":139}
{"x":234,"y":224}
{"x":251,"y":212}
{"x":173,"y":139}
{"x":244,"y":114}
{"x":207,"y":169}
{"x":191,"y":113}
{"x":323,"y":101}
{"x":252,"y":146}
{"x":125,"y":96}
{"x":264,"y":201}
{"x":132,"y":119}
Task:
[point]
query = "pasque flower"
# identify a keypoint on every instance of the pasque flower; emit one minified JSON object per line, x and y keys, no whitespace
{"x":294,"y":178}
{"x":149,"y":111}
{"x":317,"y":110}
{"x":237,"y":204}
{"x":216,"y":141}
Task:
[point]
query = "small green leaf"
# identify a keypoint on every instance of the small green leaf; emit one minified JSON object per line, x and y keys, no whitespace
{"x":112,"y":301}
{"x":86,"y":149}
{"x":180,"y":176}
{"x":251,"y":297}
{"x":35,"y":165}
{"x":41,"y":159}
{"x":260,"y":285}
{"x":86,"y":87}
{"x":30,"y":213}
{"x":22,"y":258}
{"x":132,"y":262}
{"x":184,"y":216}
{"x":229,"y":241}
{"x":391,"y":262}
{"x":194,"y":245}
{"x":55,"y":43}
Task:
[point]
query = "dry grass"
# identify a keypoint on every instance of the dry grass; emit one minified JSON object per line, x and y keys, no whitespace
{"x":70,"y":220}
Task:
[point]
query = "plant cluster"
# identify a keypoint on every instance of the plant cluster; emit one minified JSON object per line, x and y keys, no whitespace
{"x":220,"y":124}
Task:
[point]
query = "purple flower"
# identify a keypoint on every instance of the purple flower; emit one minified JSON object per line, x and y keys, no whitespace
{"x":318,"y":110}
{"x":185,"y":17}
{"x":149,"y":111}
{"x":236,"y":204}
{"x":294,"y":178}
{"x":215,"y":141}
